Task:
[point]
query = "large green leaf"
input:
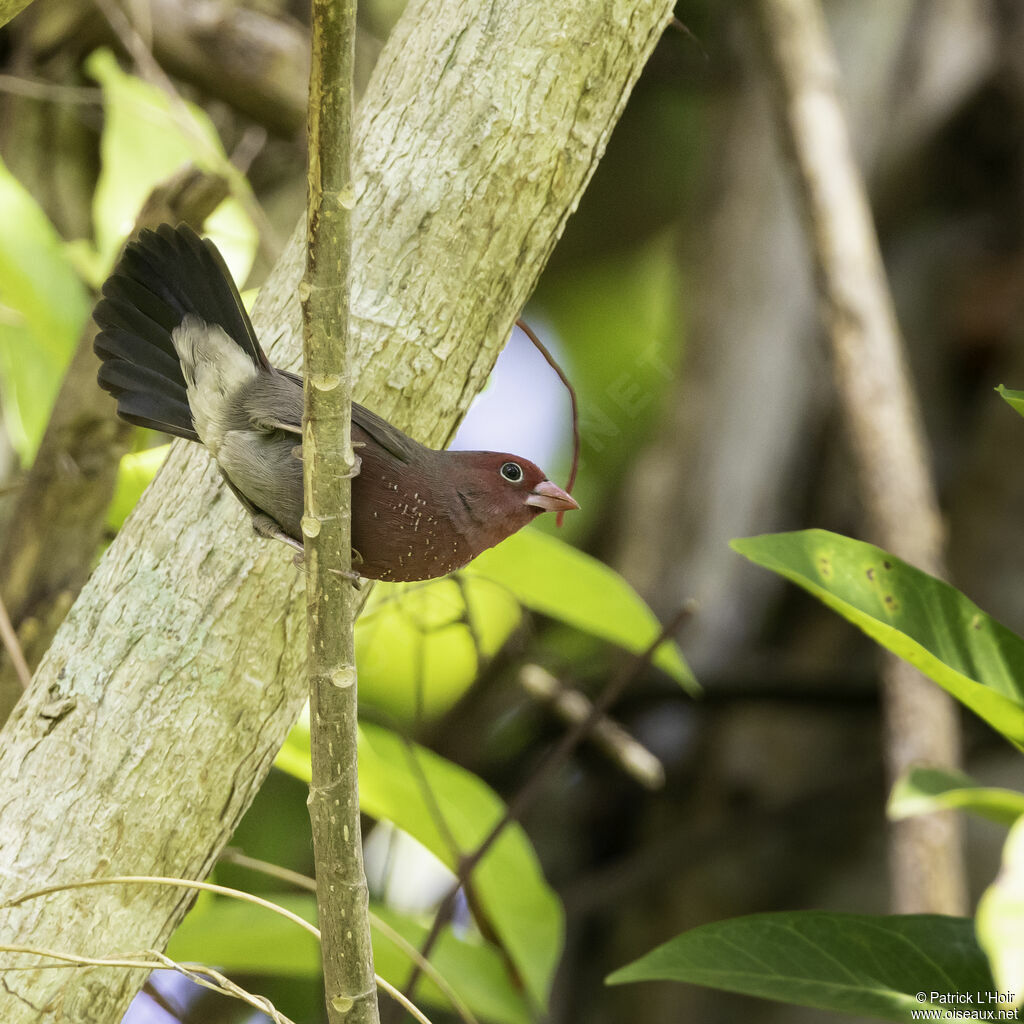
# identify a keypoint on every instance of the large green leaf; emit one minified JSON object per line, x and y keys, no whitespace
{"x":146,"y":138}
{"x":248,"y":939}
{"x":419,"y":645}
{"x":554,"y":578}
{"x":1000,"y":918}
{"x":922,"y":619}
{"x":408,"y":785}
{"x":885,"y":967}
{"x":241,"y":938}
{"x":43,"y":306}
{"x":926,"y":790}
{"x":475,"y":971}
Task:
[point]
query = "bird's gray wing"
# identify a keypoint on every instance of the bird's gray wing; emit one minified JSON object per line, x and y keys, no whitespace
{"x":376,"y":429}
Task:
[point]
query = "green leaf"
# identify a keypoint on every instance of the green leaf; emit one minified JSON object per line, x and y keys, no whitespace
{"x":885,"y":967}
{"x":1015,"y":399}
{"x":926,"y":790}
{"x":419,"y":645}
{"x":247,"y":939}
{"x":556,"y":579}
{"x":147,"y":138}
{"x":134,"y":473}
{"x":1000,"y":917}
{"x":919,"y":618}
{"x":406,"y":785}
{"x":474,"y":970}
{"x":241,"y":938}
{"x":43,"y":307}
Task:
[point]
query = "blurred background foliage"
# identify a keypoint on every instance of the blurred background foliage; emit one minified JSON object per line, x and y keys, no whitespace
{"x":680,"y":303}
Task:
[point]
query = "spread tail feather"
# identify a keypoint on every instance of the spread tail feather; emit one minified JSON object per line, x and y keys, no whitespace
{"x":167,"y":275}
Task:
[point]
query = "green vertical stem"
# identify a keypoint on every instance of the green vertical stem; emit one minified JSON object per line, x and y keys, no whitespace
{"x":328,"y":465}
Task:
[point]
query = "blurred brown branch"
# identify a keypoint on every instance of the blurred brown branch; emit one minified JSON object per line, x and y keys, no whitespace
{"x":573,"y":706}
{"x":12,"y":645}
{"x":255,"y":61}
{"x":881,"y":415}
{"x":56,"y":525}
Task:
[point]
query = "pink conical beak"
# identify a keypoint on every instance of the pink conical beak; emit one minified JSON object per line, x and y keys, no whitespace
{"x":549,"y":497}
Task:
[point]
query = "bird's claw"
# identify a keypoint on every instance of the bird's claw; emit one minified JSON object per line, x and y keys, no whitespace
{"x":266,"y":526}
{"x":267,"y":424}
{"x":353,"y":577}
{"x":357,"y":466}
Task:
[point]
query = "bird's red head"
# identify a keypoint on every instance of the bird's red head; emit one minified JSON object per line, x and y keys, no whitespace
{"x":500,"y":493}
{"x":511,"y":483}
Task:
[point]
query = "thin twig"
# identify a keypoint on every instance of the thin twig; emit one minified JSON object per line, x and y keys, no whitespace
{"x":328,"y":465}
{"x":13,"y":645}
{"x":231,"y":855}
{"x":51,"y":92}
{"x":149,"y":67}
{"x":152,"y":960}
{"x":221,"y":890}
{"x":250,"y":145}
{"x":173,"y":883}
{"x":402,"y":999}
{"x":552,"y":362}
{"x":429,"y":796}
{"x":533,"y":786}
{"x":521,"y":802}
{"x":573,"y":706}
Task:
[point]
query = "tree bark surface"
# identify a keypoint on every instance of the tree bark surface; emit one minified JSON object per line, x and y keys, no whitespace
{"x":50,"y":540}
{"x":157,"y":712}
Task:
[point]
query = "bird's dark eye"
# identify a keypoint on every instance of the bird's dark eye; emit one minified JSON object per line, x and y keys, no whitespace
{"x":512,"y":472}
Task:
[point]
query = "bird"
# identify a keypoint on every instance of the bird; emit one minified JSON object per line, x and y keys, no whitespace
{"x":178,"y":352}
